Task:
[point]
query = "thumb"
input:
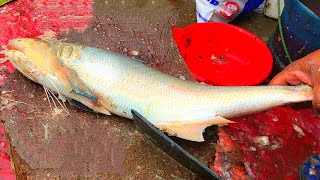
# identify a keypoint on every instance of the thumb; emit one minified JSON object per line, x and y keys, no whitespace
{"x":316,"y":93}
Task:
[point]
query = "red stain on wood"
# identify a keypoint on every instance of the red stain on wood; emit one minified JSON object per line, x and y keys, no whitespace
{"x":31,"y":18}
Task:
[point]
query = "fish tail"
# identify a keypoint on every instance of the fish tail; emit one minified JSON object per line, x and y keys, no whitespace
{"x":301,"y":93}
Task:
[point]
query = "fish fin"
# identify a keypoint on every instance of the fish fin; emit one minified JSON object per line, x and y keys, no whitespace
{"x":70,"y":80}
{"x":99,"y":109}
{"x":138,"y":60}
{"x":81,"y":91}
{"x":192,"y":130}
{"x":80,"y":105}
{"x":90,"y":106}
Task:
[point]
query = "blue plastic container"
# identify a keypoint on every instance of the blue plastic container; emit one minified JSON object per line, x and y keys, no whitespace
{"x":310,"y":169}
{"x":301,"y":29}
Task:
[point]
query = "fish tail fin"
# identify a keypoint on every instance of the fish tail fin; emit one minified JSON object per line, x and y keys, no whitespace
{"x":192,"y":130}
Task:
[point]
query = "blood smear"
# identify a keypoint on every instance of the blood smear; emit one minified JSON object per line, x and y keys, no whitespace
{"x":293,"y":136}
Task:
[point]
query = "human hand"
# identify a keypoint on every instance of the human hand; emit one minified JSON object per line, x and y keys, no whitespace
{"x":305,"y":70}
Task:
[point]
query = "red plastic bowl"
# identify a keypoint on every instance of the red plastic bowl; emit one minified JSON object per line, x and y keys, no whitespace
{"x":223,"y":54}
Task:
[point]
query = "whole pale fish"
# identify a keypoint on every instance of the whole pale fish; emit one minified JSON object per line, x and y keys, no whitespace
{"x":111,"y":83}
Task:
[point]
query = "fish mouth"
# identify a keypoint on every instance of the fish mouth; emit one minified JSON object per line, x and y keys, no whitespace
{"x":13,"y":48}
{"x":13,"y":52}
{"x":17,"y":57}
{"x":20,"y":44}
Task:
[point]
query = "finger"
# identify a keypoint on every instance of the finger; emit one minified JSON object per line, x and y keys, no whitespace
{"x":279,"y":79}
{"x":316,"y":91}
{"x":292,"y":78}
{"x":285,"y":79}
{"x":298,"y":77}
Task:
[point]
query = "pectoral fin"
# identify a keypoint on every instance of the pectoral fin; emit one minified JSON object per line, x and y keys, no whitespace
{"x":83,"y":91}
{"x":80,"y":105}
{"x":70,"y":80}
{"x":89,"y":106}
{"x":192,"y":130}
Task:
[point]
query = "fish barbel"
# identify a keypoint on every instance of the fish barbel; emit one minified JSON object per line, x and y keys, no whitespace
{"x":110,"y":83}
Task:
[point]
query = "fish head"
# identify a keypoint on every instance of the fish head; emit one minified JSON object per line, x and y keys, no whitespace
{"x":31,"y":57}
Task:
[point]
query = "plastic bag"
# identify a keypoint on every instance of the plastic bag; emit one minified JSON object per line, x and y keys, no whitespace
{"x":224,"y":10}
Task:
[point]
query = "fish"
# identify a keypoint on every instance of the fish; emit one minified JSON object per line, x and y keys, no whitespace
{"x":110,"y":83}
